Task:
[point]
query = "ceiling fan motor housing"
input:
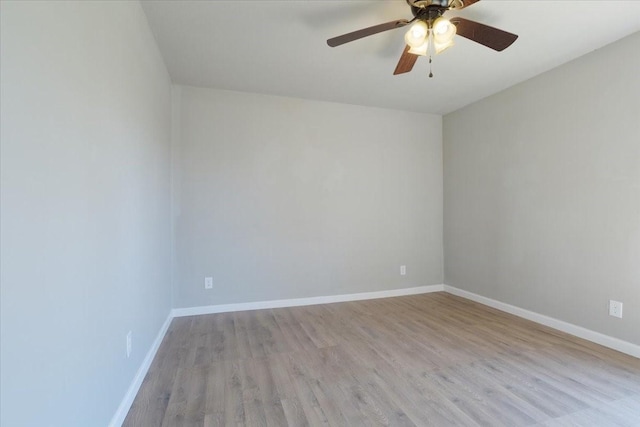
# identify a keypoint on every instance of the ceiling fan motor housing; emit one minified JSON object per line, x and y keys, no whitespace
{"x":428,"y":10}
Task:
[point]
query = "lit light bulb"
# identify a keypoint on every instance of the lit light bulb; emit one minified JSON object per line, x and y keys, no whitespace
{"x":441,"y":27}
{"x":416,"y":35}
{"x":443,"y":31}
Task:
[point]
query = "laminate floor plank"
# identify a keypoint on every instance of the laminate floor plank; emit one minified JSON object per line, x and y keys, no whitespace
{"x":423,"y":407}
{"x":421,"y":360}
{"x":294,"y":412}
{"x":234,"y":408}
{"x":214,"y":406}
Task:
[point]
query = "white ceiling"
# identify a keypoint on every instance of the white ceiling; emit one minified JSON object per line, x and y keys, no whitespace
{"x":279,"y":47}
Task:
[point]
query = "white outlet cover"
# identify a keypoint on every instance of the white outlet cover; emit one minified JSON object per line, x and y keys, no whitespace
{"x":403,"y":270}
{"x":615,"y":308}
{"x":208,"y":282}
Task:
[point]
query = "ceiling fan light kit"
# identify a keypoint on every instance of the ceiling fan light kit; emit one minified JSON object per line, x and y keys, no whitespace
{"x":423,"y":38}
{"x":432,"y":32}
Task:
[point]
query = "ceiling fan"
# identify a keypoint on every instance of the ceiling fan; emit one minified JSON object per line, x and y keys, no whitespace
{"x":432,"y":32}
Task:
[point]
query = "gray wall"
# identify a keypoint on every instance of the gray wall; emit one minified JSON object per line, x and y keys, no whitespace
{"x":85,"y":148}
{"x":286,"y":198}
{"x":542,"y":192}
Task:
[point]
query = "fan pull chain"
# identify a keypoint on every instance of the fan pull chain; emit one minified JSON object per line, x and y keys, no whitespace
{"x":430,"y":72}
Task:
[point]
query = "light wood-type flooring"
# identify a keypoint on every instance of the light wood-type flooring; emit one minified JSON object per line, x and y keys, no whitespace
{"x":432,"y":359}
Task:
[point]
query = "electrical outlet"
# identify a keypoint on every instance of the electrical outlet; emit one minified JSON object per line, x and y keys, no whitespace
{"x":403,"y":270}
{"x":208,"y":282}
{"x":128,"y":344}
{"x":615,"y":308}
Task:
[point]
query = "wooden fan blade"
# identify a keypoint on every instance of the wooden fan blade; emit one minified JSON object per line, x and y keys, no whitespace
{"x":349,"y":37}
{"x":491,"y":37}
{"x":406,"y":63}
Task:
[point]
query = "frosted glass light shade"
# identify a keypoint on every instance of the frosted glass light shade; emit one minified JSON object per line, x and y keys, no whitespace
{"x":417,"y":34}
{"x":421,"y":50}
{"x":439,"y":47}
{"x":443,"y":31}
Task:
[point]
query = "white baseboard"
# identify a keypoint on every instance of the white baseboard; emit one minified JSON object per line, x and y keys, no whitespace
{"x":296,"y":302}
{"x":578,"y":331}
{"x":125,"y":405}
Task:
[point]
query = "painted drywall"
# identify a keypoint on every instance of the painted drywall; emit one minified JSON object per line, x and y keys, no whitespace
{"x":287,"y":198}
{"x":542,"y":192}
{"x":85,"y":216}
